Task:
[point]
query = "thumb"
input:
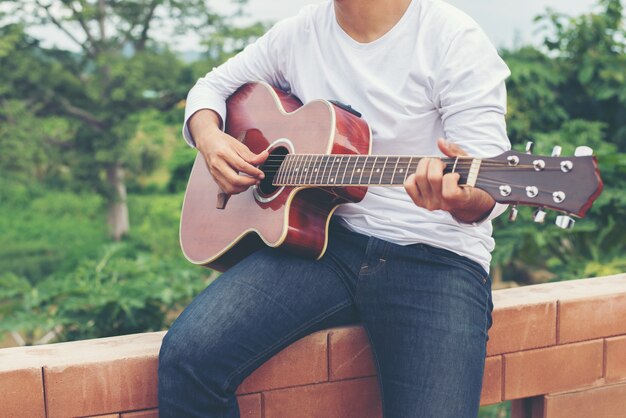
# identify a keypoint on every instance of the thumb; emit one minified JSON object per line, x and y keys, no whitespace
{"x":450,"y":149}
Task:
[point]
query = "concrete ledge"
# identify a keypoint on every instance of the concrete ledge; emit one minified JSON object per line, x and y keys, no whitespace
{"x":552,"y":346}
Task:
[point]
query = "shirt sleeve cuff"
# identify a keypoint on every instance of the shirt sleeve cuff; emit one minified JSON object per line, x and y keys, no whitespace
{"x":201,"y":97}
{"x":497,"y":210}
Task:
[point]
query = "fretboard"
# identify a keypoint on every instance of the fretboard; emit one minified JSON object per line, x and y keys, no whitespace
{"x":351,"y":170}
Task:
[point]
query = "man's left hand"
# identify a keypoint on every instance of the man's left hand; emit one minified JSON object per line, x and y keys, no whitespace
{"x":431,"y":189}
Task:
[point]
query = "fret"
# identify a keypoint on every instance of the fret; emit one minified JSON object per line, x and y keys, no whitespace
{"x":297,"y":170}
{"x":290,"y":167}
{"x":303,"y":169}
{"x":294,"y":170}
{"x":386,"y":170}
{"x":320,"y":179}
{"x":356,"y":160}
{"x":401,"y":171}
{"x":324,"y":179}
{"x":362,"y":169}
{"x":347,"y":163}
{"x":347,"y":169}
{"x":349,"y":159}
{"x":319,"y":159}
{"x":281,"y":171}
{"x":376,"y":172}
{"x":314,"y":168}
{"x":330,"y":177}
{"x":307,"y":168}
{"x":410,"y":169}
{"x":350,"y":167}
{"x":334,"y":170}
{"x":395,"y":167}
{"x":337,"y":180}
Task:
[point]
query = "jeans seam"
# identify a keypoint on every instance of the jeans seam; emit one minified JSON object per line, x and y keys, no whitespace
{"x":381,"y":262}
{"x":282,"y":340}
{"x":363,"y":262}
{"x":339,"y":274}
{"x":379,"y":377}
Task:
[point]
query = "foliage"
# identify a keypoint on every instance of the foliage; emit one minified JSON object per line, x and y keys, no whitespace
{"x":67,"y":117}
{"x":42,"y":232}
{"x":75,"y":128}
{"x":61,"y":274}
{"x":571,"y":93}
{"x":119,"y":293}
{"x":501,"y":410}
{"x":123,"y":69}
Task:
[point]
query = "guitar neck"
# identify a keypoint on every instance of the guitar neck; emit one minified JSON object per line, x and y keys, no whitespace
{"x":357,"y":170}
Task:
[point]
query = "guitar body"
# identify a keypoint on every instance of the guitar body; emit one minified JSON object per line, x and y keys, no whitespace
{"x":292,"y":217}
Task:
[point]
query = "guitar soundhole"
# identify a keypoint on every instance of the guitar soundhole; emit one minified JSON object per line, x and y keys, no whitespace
{"x":270,"y":167}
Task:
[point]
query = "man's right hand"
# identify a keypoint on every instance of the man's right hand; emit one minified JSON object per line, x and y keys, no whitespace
{"x":230,"y":162}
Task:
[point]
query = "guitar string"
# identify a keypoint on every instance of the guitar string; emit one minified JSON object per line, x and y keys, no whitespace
{"x":281,"y":158}
{"x":483,"y":163}
{"x":460,"y":168}
{"x":483,"y":180}
{"x":462,"y":160}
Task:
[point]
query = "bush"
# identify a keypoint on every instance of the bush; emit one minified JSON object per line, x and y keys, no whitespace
{"x":113,"y":295}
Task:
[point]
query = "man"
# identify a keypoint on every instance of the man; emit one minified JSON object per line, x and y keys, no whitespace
{"x":409,"y":264}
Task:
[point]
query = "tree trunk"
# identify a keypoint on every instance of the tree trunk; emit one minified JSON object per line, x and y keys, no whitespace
{"x":118,"y":207}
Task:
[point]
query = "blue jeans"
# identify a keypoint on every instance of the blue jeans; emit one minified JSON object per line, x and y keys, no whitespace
{"x":426,"y":312}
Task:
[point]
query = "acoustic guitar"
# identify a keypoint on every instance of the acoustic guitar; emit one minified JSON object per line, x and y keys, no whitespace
{"x":319,"y":158}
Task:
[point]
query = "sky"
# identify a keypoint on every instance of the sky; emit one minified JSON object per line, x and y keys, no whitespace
{"x":502,"y":20}
{"x":508,"y":23}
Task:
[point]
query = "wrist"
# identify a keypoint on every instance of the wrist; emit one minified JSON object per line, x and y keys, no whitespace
{"x":477,"y":209}
{"x":204,"y":125}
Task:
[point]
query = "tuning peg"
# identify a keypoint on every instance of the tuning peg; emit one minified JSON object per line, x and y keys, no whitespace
{"x":556,"y":151}
{"x":539,"y":216}
{"x":565,"y":222}
{"x":583,"y":151}
{"x":529,"y":147}
{"x":513,"y":213}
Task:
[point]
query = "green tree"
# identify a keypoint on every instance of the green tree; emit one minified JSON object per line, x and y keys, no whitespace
{"x":68,"y":119}
{"x":124,"y":67}
{"x":571,"y":92}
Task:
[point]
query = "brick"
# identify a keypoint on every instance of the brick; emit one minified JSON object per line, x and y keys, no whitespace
{"x":82,"y":352}
{"x":492,"y":381}
{"x":602,"y":402}
{"x":21,"y":393}
{"x":567,"y":290}
{"x":350,"y":354}
{"x":519,"y":408}
{"x":303,"y":362}
{"x":101,"y":388}
{"x":552,"y":369}
{"x":358,"y":398}
{"x":615,"y":359}
{"x":521,"y":327}
{"x":593,"y":317}
{"x":249,"y":406}
{"x":147,"y":413}
{"x":105,"y":416}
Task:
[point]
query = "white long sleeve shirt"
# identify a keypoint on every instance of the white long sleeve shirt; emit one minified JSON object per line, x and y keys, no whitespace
{"x":434,"y":74}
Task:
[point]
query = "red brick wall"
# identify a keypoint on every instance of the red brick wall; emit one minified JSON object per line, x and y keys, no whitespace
{"x":557,"y":350}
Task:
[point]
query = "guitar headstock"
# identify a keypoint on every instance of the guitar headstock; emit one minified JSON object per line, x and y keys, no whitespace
{"x":565,"y":184}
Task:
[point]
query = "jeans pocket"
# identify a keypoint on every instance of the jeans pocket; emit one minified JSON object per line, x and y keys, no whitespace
{"x":451,"y":258}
